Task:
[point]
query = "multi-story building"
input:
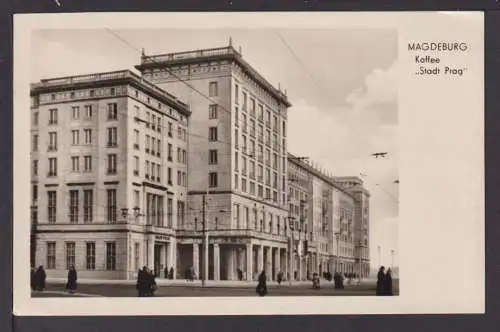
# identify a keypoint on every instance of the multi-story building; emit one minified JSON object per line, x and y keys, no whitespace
{"x":104,"y":165}
{"x":326,"y":237}
{"x":354,"y":185}
{"x":237,"y":161}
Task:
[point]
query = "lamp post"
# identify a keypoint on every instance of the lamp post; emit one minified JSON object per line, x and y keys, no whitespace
{"x":379,"y":256}
{"x":291,"y":227}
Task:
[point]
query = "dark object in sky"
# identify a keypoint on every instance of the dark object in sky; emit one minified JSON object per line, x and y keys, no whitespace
{"x":379,"y":154}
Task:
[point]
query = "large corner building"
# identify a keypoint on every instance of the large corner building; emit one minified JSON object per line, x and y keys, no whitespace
{"x":132,"y":170}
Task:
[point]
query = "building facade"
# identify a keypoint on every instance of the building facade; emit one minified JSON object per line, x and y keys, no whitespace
{"x":104,"y":191}
{"x":184,"y":167}
{"x":332,"y":219}
{"x":237,"y":162}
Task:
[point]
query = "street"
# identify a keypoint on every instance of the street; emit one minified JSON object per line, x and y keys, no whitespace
{"x":119,"y":290}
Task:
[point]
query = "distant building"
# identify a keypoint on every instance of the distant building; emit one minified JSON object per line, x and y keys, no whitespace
{"x":237,"y":155}
{"x":354,"y":185}
{"x":107,"y":182}
{"x":328,"y":217}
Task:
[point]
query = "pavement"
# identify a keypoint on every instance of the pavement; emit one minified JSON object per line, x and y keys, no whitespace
{"x":183,"y":288}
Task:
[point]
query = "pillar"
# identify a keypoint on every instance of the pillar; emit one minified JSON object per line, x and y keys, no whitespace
{"x":269,"y":263}
{"x":150,"y":252}
{"x":231,"y":255}
{"x":216,"y":261}
{"x":249,"y":261}
{"x":277,"y":262}
{"x":300,"y":268}
{"x":285,"y":265}
{"x":196,"y":259}
{"x":260,"y":259}
{"x":173,"y":256}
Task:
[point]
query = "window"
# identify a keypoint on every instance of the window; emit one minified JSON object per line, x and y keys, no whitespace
{"x":34,"y":193}
{"x":136,"y":165}
{"x":236,"y":216}
{"x":260,"y":191}
{"x":158,"y":146}
{"x":90,"y":256}
{"x":170,"y":152}
{"x":236,"y":94}
{"x":252,"y":128}
{"x":236,"y":117}
{"x":75,"y":112}
{"x":146,"y":172}
{"x":158,"y":172}
{"x":76,"y":137}
{"x":88,"y":111}
{"x":52,"y":141}
{"x":35,"y":167}
{"x":261,"y":113}
{"x":275,"y":123}
{"x":184,"y":156}
{"x":148,"y":143}
{"x":244,"y":185}
{"x":88,"y":205}
{"x":53,"y":116}
{"x":236,"y":161}
{"x":51,"y":255}
{"x":252,"y":107}
{"x":158,"y":128}
{"x":212,"y":179}
{"x":268,"y":118}
{"x":236,"y":181}
{"x":179,"y":155}
{"x":75,"y":164}
{"x":283,"y":129}
{"x":52,"y":206}
{"x":212,"y":134}
{"x":236,"y":138}
{"x":244,"y":101}
{"x":70,"y":254}
{"x":136,"y":139}
{"x":137,"y":199}
{"x":137,"y":255}
{"x":111,"y":164}
{"x":111,"y":208}
{"x":212,"y":111}
{"x":170,"y":129}
{"x":35,"y":143}
{"x":88,"y":136}
{"x":110,"y":256}
{"x":169,"y":176}
{"x":73,"y":206}
{"x":52,"y":167}
{"x":212,"y":157}
{"x":179,"y":178}
{"x":252,"y":188}
{"x":112,"y":136}
{"x":35,"y":118}
{"x":153,"y":122}
{"x":88,"y":163}
{"x":213,"y":89}
{"x":113,"y":111}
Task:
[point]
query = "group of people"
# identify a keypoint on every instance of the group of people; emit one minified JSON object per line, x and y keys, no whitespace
{"x":384,"y":282}
{"x":39,"y":277}
{"x":146,"y":282}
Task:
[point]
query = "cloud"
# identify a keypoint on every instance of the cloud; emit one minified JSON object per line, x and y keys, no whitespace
{"x":377,"y":100}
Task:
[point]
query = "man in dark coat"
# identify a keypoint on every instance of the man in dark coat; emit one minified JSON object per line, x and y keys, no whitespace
{"x":262,"y":285}
{"x":40,"y":277}
{"x":142,"y":281}
{"x":72,"y":278}
{"x":388,"y":283}
{"x":380,"y":281}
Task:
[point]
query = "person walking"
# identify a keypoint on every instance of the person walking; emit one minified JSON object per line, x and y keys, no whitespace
{"x":71,"y":284}
{"x":142,"y":282}
{"x":33,"y":278}
{"x":151,"y":283}
{"x":380,"y":281}
{"x":40,"y":278}
{"x":262,"y":284}
{"x":388,"y":283}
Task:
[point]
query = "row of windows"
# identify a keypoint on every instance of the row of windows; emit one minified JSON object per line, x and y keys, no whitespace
{"x":252,"y":110}
{"x":88,"y":204}
{"x":112,"y":114}
{"x":250,"y":189}
{"x":90,"y":255}
{"x":260,"y":152}
{"x":244,"y":217}
{"x":111,"y":138}
{"x":248,"y":161}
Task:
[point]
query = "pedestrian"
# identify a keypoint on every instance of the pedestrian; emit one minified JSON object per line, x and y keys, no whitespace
{"x":40,"y":278}
{"x":380,"y":281}
{"x":171,"y":273}
{"x":338,"y":281}
{"x":240,"y":274}
{"x":151,"y":283}
{"x":280,"y":278}
{"x":262,"y":285}
{"x":388,"y":283}
{"x":33,"y":278}
{"x":72,"y":278}
{"x":142,"y":281}
{"x":315,"y":280}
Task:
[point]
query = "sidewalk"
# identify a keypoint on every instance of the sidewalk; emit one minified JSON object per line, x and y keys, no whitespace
{"x":197,"y":283}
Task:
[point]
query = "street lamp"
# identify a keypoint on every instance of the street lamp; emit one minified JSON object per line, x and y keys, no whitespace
{"x":291,"y":226}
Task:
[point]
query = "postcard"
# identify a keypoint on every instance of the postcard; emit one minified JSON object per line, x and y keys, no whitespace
{"x":248,"y":163}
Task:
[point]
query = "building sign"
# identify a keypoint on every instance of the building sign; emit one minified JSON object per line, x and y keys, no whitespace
{"x":162,"y":237}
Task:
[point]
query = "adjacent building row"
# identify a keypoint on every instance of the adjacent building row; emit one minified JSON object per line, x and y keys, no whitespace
{"x":134,"y":170}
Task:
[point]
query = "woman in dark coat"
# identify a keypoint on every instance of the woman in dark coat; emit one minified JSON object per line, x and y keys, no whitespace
{"x":72,"y":278}
{"x":40,"y":277}
{"x":388,"y":283}
{"x":262,"y":285}
{"x":381,"y":281}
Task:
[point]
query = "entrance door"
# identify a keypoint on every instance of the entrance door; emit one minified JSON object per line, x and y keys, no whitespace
{"x":158,"y":267}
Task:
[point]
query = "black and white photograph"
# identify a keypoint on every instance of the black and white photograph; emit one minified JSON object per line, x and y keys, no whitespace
{"x":224,"y":162}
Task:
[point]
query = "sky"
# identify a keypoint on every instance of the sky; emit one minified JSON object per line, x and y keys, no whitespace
{"x":342,"y":85}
